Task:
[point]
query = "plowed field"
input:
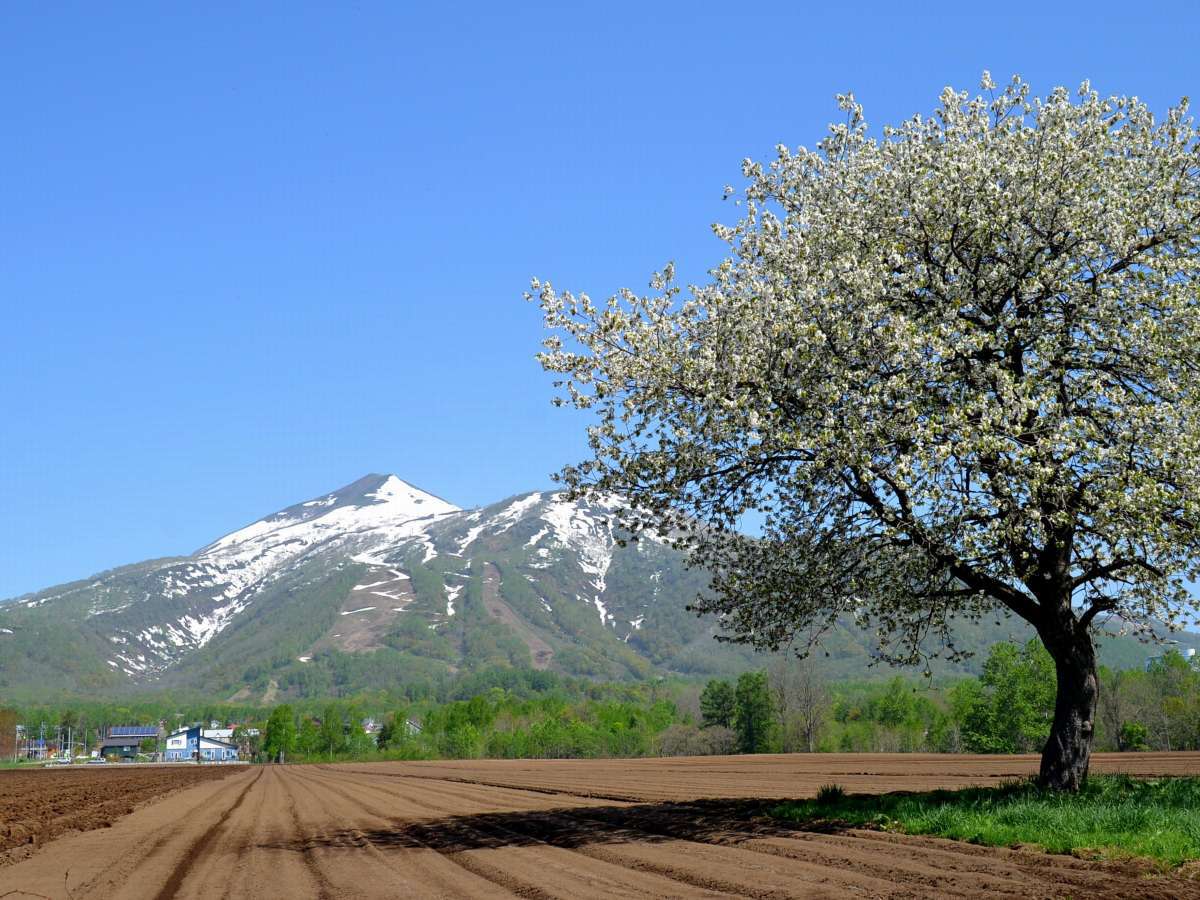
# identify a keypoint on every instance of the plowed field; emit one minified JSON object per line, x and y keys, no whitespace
{"x":38,"y":805}
{"x":640,"y":828}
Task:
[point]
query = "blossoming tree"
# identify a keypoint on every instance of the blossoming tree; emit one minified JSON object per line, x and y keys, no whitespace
{"x":951,"y":370}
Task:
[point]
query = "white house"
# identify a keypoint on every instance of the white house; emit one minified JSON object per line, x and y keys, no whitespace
{"x":191,"y":743}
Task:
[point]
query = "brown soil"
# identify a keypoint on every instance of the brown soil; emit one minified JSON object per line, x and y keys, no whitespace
{"x":38,"y":805}
{"x":775,"y":775}
{"x":555,"y":829}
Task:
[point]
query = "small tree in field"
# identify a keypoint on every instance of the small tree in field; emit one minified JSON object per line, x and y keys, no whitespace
{"x":754,"y":714}
{"x":954,"y":369}
{"x":279,"y":737}
{"x":1009,"y":709}
{"x":801,"y":700}
{"x":717,"y":704}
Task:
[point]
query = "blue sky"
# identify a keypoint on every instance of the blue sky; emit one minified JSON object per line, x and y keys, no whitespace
{"x":249,"y":256}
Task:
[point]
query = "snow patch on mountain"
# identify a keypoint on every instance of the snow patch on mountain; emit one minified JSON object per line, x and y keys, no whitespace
{"x":452,"y":593}
{"x":514,"y":512}
{"x":587,"y":530}
{"x":203,"y":629}
{"x":371,"y":526}
{"x":377,"y":522}
{"x":470,"y":537}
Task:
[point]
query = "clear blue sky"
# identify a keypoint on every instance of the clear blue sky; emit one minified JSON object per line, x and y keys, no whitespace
{"x":247,"y":257}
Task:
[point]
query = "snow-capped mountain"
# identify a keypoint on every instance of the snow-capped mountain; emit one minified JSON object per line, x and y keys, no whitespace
{"x":380,"y":570}
{"x":383,"y":585}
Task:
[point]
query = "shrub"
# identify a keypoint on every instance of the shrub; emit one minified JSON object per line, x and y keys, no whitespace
{"x":830,"y":794}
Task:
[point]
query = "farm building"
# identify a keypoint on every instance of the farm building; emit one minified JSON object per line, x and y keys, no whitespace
{"x":121,"y":747}
{"x":190,"y":743}
{"x":134,"y":734}
{"x":125,"y":741}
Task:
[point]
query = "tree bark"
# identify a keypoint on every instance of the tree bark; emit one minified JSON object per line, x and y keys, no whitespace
{"x":1068,"y":751}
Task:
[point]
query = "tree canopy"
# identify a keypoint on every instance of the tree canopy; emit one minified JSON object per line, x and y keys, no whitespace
{"x":953,"y":367}
{"x":718,"y":704}
{"x":754,"y":716}
{"x":1009,"y":710}
{"x":279,"y":737}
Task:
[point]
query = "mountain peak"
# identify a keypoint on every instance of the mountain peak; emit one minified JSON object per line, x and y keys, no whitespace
{"x":370,"y":501}
{"x":388,"y":488}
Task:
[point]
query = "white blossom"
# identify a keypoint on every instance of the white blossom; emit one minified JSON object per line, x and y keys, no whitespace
{"x":955,"y":366}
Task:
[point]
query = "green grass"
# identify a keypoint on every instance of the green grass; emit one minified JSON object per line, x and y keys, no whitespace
{"x":1114,"y":816}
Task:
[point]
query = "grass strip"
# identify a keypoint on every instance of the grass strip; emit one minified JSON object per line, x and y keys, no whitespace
{"x":1114,"y":816}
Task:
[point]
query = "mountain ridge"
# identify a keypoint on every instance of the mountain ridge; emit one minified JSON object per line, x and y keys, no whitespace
{"x":379,"y":583}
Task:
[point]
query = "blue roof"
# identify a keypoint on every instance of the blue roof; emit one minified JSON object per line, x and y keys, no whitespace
{"x":133,"y":731}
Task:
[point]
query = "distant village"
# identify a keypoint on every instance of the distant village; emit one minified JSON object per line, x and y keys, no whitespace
{"x":214,"y":742}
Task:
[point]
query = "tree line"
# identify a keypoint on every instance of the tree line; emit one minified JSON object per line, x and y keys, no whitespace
{"x":1008,"y":708}
{"x":789,"y":706}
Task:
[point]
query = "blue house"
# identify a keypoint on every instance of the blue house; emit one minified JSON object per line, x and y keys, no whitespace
{"x":191,"y":744}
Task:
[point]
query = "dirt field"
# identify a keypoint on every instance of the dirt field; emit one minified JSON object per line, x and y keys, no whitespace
{"x":38,"y":805}
{"x":640,"y":828}
{"x":768,"y":776}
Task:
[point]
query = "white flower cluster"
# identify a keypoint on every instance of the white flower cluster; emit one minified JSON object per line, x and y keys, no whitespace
{"x":955,"y":366}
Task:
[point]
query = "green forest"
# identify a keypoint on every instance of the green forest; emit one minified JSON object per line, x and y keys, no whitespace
{"x":787,"y":707}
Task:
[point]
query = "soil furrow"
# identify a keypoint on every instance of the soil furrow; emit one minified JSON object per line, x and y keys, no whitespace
{"x":423,"y":872}
{"x":454,"y":800}
{"x":604,"y":880}
{"x":522,"y":788}
{"x":532,"y":828}
{"x":542,"y":831}
{"x":201,"y":846}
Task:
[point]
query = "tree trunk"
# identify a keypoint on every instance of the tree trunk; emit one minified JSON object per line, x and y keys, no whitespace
{"x":1069,"y":749}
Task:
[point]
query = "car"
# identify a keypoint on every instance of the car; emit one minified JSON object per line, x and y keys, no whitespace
{"x":98,"y":761}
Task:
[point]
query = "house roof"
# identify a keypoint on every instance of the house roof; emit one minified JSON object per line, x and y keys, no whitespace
{"x":139,"y":731}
